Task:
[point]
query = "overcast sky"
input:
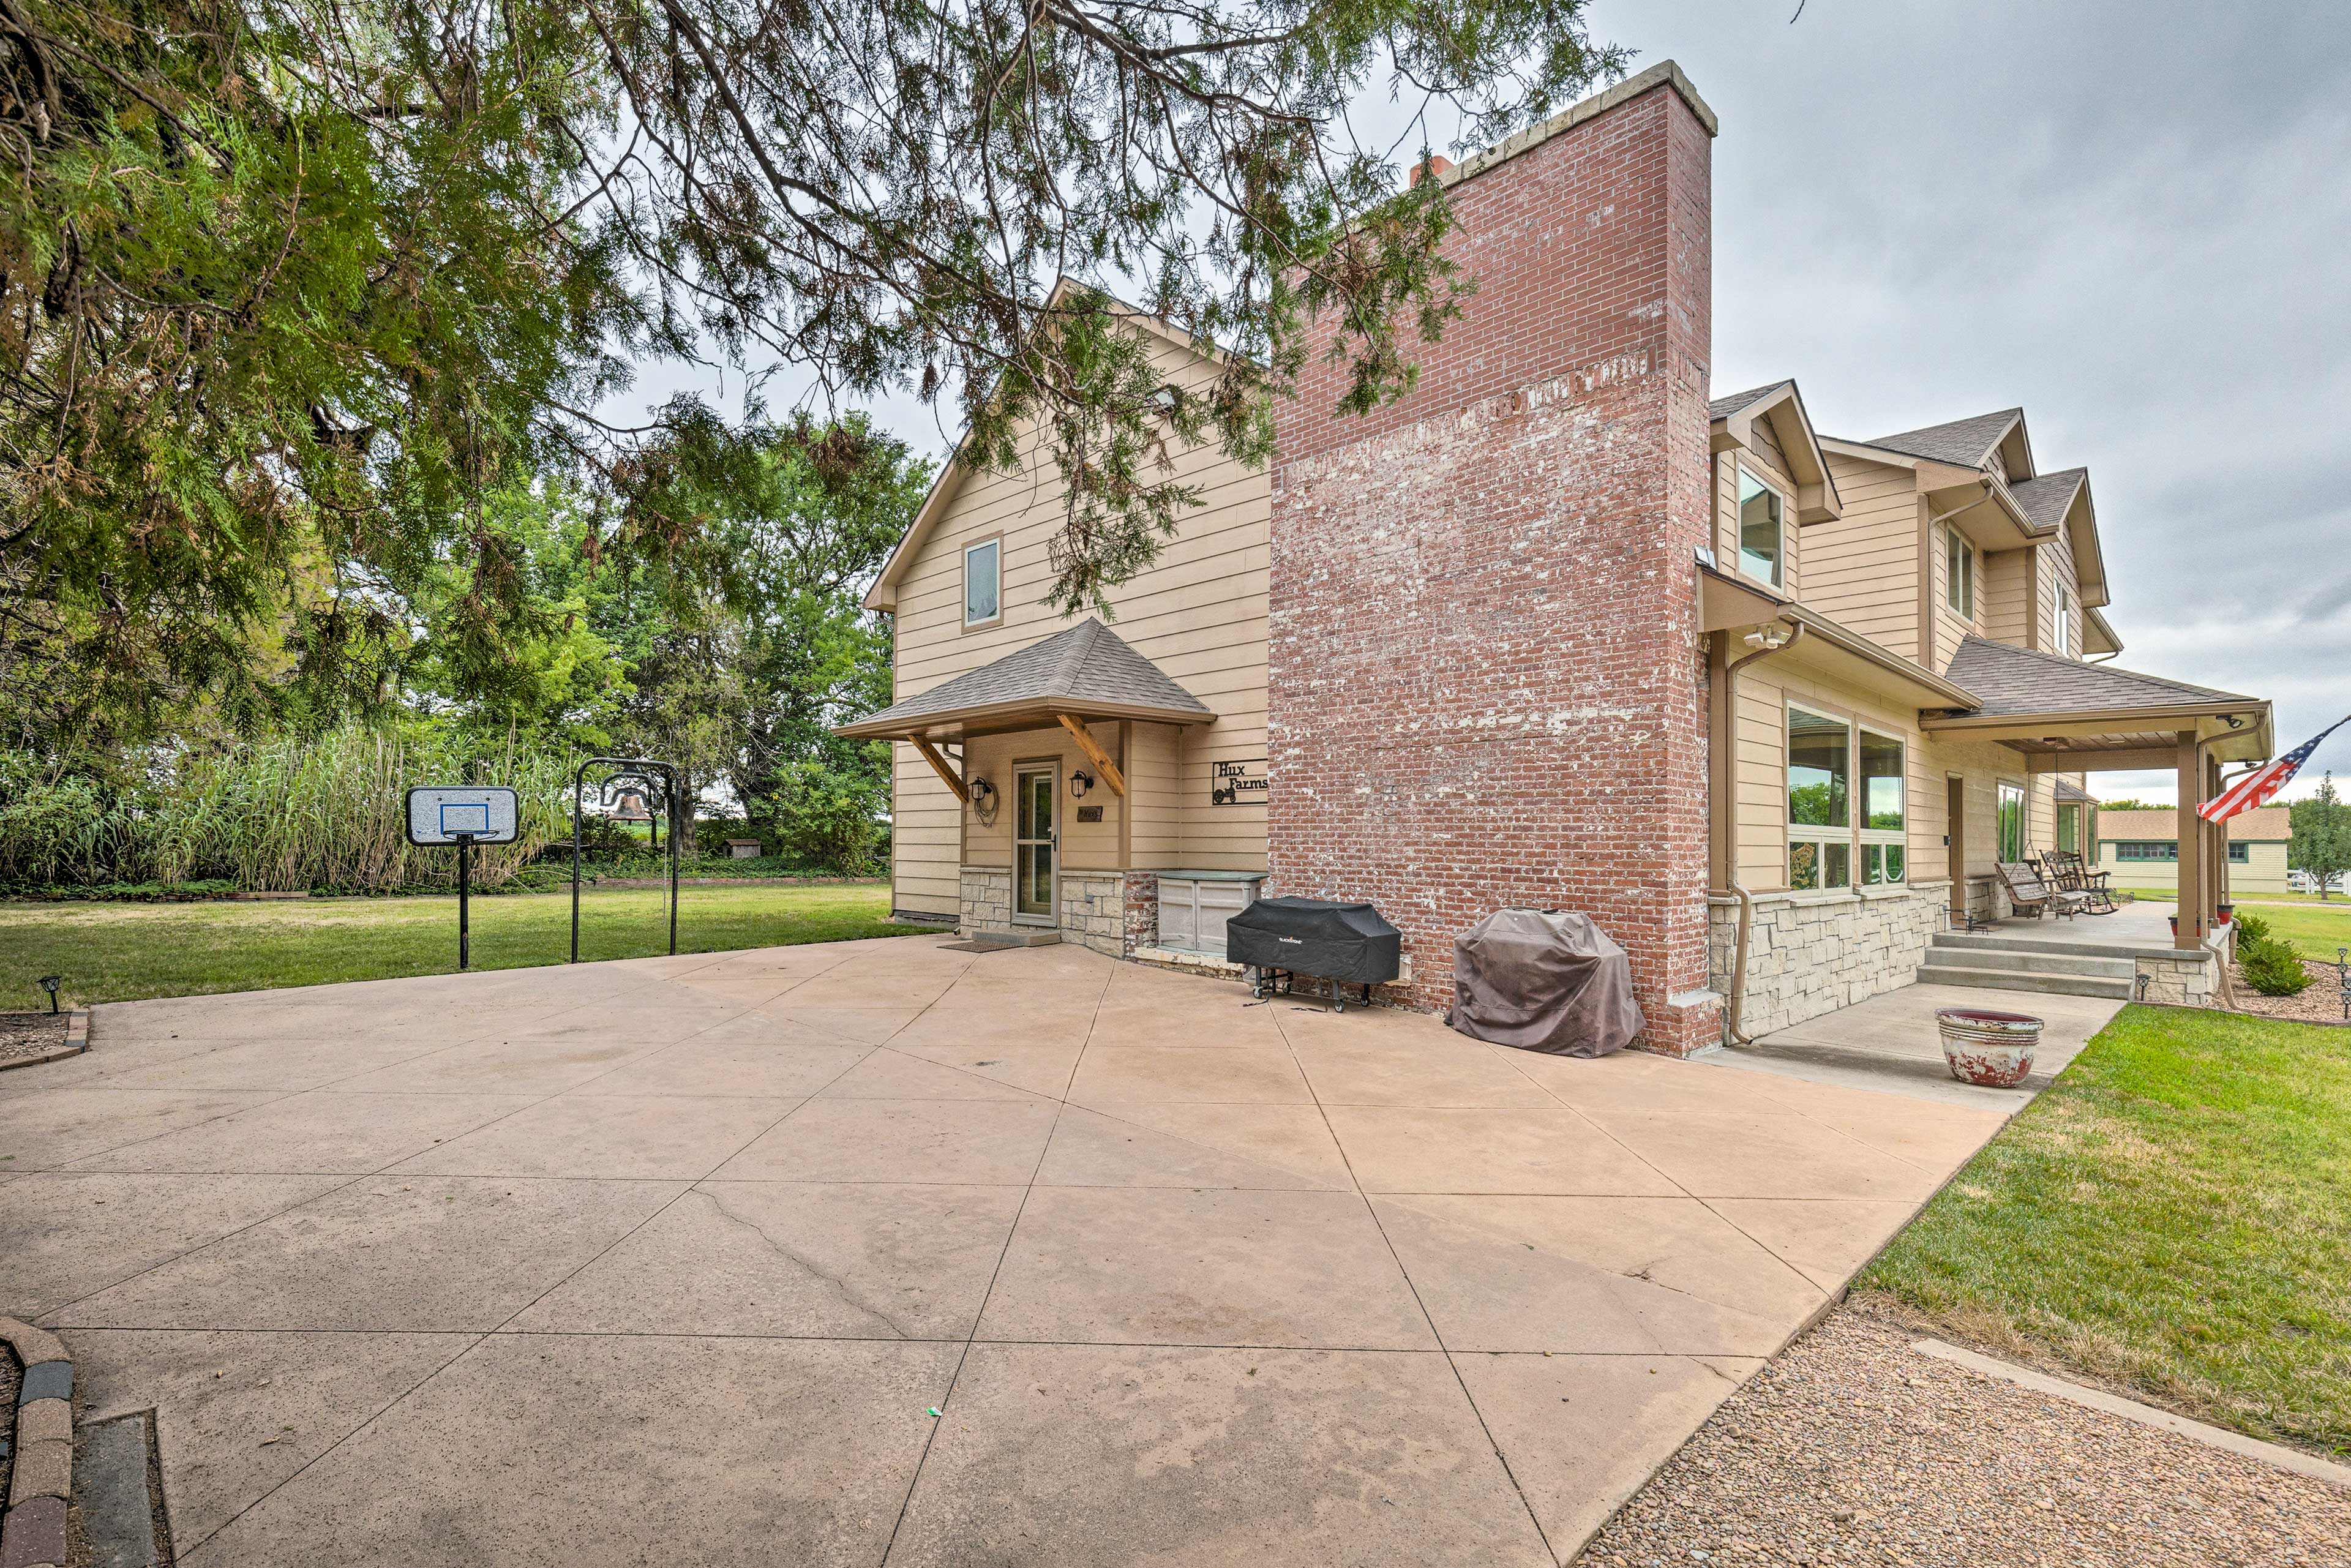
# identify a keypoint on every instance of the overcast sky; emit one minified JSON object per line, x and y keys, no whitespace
{"x":2134,"y":219}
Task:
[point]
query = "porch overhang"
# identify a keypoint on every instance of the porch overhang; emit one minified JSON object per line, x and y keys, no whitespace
{"x":2110,"y":740}
{"x":1085,"y":673}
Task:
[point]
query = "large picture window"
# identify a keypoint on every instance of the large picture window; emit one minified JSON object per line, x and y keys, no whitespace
{"x":1883,"y":816}
{"x":1761,"y":535}
{"x":983,"y":569}
{"x":2011,"y":822}
{"x":1820,"y":801}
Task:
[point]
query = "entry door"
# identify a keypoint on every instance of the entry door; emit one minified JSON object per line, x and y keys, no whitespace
{"x":1955,"y":819}
{"x":1035,"y":843}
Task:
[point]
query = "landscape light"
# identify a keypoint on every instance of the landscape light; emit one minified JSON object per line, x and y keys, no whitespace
{"x":50,"y":983}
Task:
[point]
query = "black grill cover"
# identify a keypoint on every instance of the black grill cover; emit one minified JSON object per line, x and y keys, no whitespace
{"x":1544,"y":980}
{"x":1349,"y":942}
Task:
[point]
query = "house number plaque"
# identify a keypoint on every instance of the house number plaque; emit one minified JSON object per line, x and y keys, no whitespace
{"x":1237,"y":783}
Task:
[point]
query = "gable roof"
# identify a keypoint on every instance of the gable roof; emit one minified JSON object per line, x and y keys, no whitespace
{"x":2266,"y":825}
{"x":1781,"y":408}
{"x":1967,"y":443}
{"x":2019,"y":681}
{"x":1088,"y":669}
{"x":2046,"y":497}
{"x":884,"y":594}
{"x":1724,"y":407}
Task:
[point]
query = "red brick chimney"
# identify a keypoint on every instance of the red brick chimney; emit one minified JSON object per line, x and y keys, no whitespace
{"x":1487,"y":683}
{"x":1436,"y":163}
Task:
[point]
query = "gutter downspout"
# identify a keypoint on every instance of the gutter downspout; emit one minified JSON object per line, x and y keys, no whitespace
{"x":1731,"y":840}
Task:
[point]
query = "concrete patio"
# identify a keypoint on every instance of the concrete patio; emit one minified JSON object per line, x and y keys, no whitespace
{"x":670,"y":1260}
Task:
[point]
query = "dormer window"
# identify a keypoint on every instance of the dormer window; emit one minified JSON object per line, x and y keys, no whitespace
{"x":1960,"y":589}
{"x":1761,"y":531}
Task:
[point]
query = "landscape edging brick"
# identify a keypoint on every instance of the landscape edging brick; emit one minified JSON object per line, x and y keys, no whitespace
{"x":76,"y":1041}
{"x":33,"y":1530}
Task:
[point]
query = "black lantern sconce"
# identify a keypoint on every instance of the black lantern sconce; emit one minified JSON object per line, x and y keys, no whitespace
{"x":983,"y":801}
{"x":1080,"y":782}
{"x":50,"y":983}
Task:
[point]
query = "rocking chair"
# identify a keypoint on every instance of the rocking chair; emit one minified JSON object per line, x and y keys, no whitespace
{"x":2070,"y":873}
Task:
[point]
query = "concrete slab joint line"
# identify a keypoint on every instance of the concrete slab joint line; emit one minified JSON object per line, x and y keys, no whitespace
{"x":2277,"y":1454}
{"x":33,"y":1530}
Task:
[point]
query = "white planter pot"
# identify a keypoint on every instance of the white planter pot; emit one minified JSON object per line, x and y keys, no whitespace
{"x":1987,"y":1047}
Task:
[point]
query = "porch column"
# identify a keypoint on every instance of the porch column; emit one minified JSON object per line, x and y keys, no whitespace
{"x":2189,"y":932}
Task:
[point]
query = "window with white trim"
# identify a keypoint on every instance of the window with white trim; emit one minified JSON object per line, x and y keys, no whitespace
{"x":1820,"y":805}
{"x":1959,"y":573}
{"x":2010,"y":821}
{"x":983,"y":572}
{"x":1763,"y":531}
{"x":2063,"y":640}
{"x":1883,"y":820}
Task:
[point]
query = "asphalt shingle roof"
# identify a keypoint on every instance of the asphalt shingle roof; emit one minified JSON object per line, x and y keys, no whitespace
{"x":1087,"y":666}
{"x":2045,"y":498}
{"x":2011,"y":680}
{"x":1724,"y":407}
{"x":1966,"y":442}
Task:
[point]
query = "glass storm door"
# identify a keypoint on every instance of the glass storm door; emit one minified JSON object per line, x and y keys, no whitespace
{"x":1034,"y":842}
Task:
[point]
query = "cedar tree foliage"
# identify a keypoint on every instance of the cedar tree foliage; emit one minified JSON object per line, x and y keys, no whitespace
{"x":287,"y":287}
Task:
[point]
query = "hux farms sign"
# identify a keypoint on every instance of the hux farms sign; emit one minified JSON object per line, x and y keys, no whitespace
{"x":1237,"y":783}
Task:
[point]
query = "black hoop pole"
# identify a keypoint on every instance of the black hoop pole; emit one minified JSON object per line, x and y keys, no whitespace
{"x":644,"y":767}
{"x":464,"y":904}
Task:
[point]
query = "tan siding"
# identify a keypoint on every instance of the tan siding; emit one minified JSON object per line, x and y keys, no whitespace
{"x":1862,"y":569}
{"x":1199,"y":613}
{"x":2007,"y":596}
{"x":926,"y":838}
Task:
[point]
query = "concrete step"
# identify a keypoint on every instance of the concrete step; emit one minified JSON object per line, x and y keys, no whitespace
{"x":1994,"y":942}
{"x":2111,"y":965}
{"x":2117,"y":990}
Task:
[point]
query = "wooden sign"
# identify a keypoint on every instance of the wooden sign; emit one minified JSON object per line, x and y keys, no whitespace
{"x":1237,"y":783}
{"x":1089,"y":813}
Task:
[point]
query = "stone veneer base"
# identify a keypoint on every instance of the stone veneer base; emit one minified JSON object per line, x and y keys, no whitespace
{"x":1811,"y":952}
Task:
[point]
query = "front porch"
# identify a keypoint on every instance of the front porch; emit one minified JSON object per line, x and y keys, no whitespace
{"x":2131,"y":955}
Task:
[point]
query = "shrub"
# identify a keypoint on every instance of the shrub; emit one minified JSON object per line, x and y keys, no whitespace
{"x":2271,"y":968}
{"x":2251,"y":929}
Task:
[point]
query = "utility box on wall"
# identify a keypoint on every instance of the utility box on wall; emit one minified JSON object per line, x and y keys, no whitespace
{"x":1194,"y":905}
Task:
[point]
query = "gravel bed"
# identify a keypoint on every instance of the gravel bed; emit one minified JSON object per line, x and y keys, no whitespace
{"x":2322,"y":1002}
{"x":31,"y":1034}
{"x":1852,"y":1447}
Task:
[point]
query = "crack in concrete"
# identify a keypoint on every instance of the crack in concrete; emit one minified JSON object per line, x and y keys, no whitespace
{"x":839,"y":1287}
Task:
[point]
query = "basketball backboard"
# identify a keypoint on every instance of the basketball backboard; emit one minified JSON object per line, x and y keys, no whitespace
{"x":487,"y":813}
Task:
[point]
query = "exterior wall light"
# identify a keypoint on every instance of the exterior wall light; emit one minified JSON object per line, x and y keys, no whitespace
{"x":1768,"y":639}
{"x":1080,"y":782}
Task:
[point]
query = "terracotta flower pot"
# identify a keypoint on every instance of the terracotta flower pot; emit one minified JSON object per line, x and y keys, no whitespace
{"x":1993,"y":1049}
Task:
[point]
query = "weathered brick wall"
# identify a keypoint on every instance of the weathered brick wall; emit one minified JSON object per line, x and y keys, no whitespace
{"x":1486,"y":685}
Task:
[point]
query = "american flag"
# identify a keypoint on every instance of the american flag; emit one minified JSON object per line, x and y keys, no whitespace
{"x":2262,"y":784}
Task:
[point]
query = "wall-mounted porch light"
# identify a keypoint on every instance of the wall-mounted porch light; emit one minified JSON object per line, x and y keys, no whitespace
{"x":1080,"y":782}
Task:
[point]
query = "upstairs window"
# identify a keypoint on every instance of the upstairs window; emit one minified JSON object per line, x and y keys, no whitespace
{"x":2062,"y":641}
{"x":983,"y":603}
{"x":1760,"y":533}
{"x":1960,"y":589}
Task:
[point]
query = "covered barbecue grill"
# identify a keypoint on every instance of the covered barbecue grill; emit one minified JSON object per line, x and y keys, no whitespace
{"x":1544,"y":979}
{"x":1345,"y":944}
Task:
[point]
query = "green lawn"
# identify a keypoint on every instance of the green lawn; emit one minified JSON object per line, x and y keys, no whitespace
{"x":2318,"y":929}
{"x":2174,"y":1216}
{"x":115,"y":952}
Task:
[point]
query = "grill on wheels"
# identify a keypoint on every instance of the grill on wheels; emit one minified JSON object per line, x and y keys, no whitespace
{"x":1345,"y":943}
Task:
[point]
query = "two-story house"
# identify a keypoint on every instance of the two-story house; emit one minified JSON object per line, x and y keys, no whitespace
{"x":1556,"y":629}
